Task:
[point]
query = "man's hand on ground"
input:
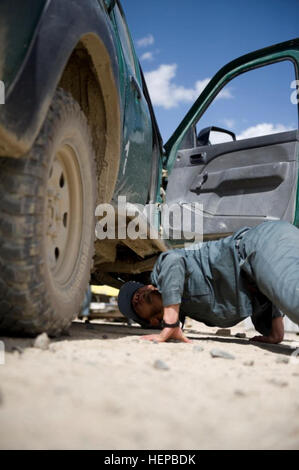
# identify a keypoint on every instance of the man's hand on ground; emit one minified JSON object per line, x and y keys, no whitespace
{"x":168,"y":333}
{"x":170,"y":315}
{"x":267,"y":339}
{"x":276,"y":335}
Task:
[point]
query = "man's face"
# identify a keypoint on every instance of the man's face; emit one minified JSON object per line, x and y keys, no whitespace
{"x":147,"y":303}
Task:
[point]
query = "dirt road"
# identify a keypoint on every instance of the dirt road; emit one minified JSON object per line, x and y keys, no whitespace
{"x":104,"y":388}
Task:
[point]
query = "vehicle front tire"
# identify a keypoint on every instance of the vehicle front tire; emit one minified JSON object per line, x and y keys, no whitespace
{"x":47,"y":224}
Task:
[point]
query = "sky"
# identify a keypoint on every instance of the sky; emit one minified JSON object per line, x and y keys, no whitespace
{"x":182,"y":44}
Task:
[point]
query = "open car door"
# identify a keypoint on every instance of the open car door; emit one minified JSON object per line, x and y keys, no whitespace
{"x":241,"y":182}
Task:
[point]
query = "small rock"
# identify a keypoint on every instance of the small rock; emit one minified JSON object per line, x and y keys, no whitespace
{"x":240,"y":335}
{"x":248,"y":363}
{"x":158,"y":364}
{"x":278,"y":382}
{"x":42,"y":341}
{"x":296,"y":374}
{"x":198,"y":348}
{"x":240,"y":393}
{"x":222,"y":354}
{"x":105,"y":337}
{"x":223,"y":332}
{"x":282,"y":360}
{"x":89,"y":326}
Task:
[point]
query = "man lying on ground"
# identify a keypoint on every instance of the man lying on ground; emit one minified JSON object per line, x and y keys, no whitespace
{"x":253,"y":273}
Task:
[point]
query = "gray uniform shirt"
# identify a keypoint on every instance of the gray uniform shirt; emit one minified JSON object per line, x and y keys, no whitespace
{"x":207,"y":282}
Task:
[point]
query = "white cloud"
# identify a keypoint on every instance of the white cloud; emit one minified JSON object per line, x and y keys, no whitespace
{"x":147,"y":56}
{"x":225,"y":93}
{"x":164,"y":92}
{"x":146,"y":41}
{"x":264,"y":128}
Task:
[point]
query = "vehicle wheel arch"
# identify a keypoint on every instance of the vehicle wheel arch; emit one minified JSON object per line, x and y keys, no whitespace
{"x":88,"y":76}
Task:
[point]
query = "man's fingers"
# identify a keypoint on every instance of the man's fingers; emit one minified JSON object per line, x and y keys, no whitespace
{"x":182,"y":337}
{"x":185,"y":339}
{"x":267,"y":339}
{"x":161,"y":339}
{"x":260,"y":339}
{"x":153,"y":338}
{"x":188,"y":340}
{"x":148,"y":337}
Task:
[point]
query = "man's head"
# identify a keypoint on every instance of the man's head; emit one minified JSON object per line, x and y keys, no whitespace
{"x":141,"y":303}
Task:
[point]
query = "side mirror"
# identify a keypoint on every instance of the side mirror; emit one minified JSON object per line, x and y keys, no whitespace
{"x":203,"y":137}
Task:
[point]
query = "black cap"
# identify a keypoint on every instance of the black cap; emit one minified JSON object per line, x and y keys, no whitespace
{"x":124,"y":301}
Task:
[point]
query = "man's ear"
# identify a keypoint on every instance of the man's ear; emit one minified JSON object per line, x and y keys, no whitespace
{"x":152,"y":287}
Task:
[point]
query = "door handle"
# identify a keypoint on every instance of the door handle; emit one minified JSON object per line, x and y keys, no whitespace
{"x":198,"y":158}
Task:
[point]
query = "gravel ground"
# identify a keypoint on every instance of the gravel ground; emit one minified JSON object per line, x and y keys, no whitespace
{"x":102,"y":387}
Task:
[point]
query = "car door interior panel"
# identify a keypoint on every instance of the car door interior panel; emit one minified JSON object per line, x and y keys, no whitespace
{"x":238,"y":183}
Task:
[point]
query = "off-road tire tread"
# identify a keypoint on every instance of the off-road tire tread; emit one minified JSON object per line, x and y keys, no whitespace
{"x":24,"y":304}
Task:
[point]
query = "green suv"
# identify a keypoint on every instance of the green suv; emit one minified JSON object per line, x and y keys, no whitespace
{"x":77,"y":130}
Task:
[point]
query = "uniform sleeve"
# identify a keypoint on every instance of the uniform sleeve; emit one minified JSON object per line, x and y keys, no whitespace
{"x":276,"y":313}
{"x":169,"y":277}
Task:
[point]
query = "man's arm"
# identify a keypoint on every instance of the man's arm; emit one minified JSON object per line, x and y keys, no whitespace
{"x":170,"y":315}
{"x":276,"y":334}
{"x":169,"y":276}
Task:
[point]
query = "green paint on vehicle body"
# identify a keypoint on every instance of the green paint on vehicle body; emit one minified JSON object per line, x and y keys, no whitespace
{"x":135,"y":165}
{"x":16,"y":32}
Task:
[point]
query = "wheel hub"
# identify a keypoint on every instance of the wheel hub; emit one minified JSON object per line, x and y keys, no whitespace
{"x":64,"y":213}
